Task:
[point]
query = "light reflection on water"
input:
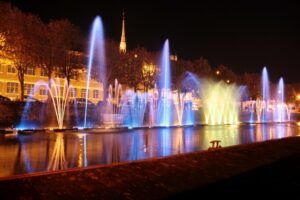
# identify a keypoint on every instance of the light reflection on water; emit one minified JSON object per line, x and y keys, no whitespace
{"x":55,"y":151}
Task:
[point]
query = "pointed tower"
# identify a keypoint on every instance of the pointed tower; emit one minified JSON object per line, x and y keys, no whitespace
{"x":123,"y":39}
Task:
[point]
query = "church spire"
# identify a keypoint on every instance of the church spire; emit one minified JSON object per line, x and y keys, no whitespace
{"x":123,"y":39}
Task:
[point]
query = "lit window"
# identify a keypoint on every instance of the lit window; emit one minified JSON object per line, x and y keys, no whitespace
{"x":73,"y":92}
{"x":73,"y":76}
{"x":60,"y":75}
{"x":83,"y":93}
{"x":95,"y":94}
{"x":29,"y":71}
{"x":43,"y":91}
{"x":43,"y":72}
{"x":28,"y":88}
{"x":11,"y":69}
{"x":12,"y":87}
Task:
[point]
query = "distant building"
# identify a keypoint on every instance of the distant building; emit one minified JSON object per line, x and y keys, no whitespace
{"x":10,"y":86}
{"x":123,"y":47}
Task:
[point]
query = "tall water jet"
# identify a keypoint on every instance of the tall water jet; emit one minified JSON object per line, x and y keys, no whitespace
{"x":178,"y":100}
{"x":265,"y":94}
{"x":281,"y":110}
{"x":280,"y":91}
{"x":96,"y":53}
{"x":165,"y":87}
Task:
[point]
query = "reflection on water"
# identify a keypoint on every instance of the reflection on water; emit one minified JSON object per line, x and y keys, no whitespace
{"x":55,"y":151}
{"x":58,"y":160}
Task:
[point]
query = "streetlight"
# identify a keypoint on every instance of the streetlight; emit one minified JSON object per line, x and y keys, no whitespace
{"x":217,"y":72}
{"x":228,"y":81}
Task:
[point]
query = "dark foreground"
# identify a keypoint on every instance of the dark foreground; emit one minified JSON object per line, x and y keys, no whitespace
{"x":267,"y":167}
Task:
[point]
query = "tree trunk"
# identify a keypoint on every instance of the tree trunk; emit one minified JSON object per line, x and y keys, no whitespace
{"x":68,"y":80}
{"x":21,"y":81}
{"x":49,"y":85}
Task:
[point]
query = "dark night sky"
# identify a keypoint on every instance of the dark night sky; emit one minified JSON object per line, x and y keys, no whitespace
{"x":245,"y":35}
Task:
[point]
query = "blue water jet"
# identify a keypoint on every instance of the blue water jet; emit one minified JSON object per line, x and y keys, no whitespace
{"x":266,"y":93}
{"x":25,"y":122}
{"x":165,"y":87}
{"x":280,"y":107}
{"x":96,"y":53}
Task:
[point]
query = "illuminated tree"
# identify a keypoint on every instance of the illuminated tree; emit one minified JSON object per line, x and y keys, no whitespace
{"x":201,"y":67}
{"x":21,"y":33}
{"x":64,"y":40}
{"x":252,"y":81}
{"x":222,"y":72}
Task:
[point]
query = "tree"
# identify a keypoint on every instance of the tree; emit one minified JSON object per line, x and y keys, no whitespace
{"x":222,"y":72}
{"x":21,"y":36}
{"x":132,"y":68}
{"x":252,"y":81}
{"x":113,"y":61}
{"x":64,"y":40}
{"x":201,"y":67}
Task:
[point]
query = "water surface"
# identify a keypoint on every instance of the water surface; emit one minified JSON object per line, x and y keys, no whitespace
{"x":53,"y":151}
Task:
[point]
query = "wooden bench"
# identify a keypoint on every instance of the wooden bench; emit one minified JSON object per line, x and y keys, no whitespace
{"x":215,"y":144}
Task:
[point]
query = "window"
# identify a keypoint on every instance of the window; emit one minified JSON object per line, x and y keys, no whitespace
{"x":11,"y":69}
{"x":29,"y":71}
{"x":73,"y":92}
{"x":43,"y":72}
{"x":60,"y":75}
{"x":12,"y":87}
{"x":43,"y":91}
{"x":95,"y":94}
{"x":83,"y":93}
{"x":28,"y":88}
{"x":73,"y":76}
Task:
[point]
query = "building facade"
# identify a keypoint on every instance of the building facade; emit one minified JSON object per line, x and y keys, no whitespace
{"x":10,"y":86}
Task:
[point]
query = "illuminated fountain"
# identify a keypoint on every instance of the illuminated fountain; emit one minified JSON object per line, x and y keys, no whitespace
{"x":96,"y":57}
{"x":113,"y":116}
{"x":165,"y":100}
{"x":194,"y":102}
{"x":266,"y":96}
{"x":281,"y":111}
{"x":59,"y":94}
{"x":153,"y":106}
{"x":220,"y":103}
{"x":183,"y":106}
{"x":137,"y":104}
{"x":270,"y":109}
{"x":59,"y":99}
{"x":178,"y":100}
